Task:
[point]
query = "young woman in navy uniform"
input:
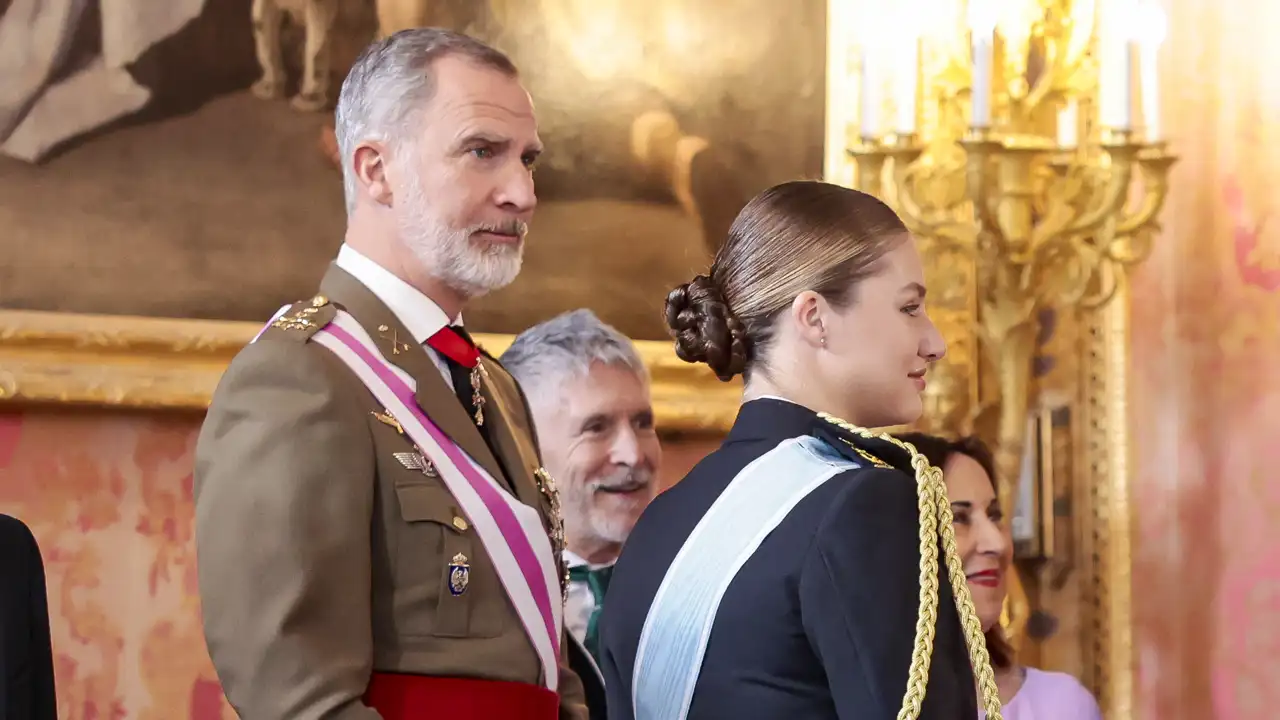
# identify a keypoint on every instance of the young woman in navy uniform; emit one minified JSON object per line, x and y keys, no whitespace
{"x":806,"y":568}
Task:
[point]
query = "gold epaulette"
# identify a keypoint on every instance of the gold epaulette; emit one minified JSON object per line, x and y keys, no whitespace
{"x":306,"y":318}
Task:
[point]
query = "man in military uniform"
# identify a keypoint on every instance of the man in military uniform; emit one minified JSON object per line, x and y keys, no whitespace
{"x":376,"y":538}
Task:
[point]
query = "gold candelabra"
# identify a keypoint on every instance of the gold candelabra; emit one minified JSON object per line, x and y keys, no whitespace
{"x":1000,"y":178}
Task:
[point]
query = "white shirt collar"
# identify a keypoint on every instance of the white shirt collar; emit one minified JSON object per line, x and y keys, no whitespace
{"x":419,"y":313}
{"x":572,"y":559}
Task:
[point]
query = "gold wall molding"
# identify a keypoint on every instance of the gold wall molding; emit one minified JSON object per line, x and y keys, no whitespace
{"x":168,"y":364}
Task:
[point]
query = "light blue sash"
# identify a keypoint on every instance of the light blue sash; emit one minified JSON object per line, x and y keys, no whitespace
{"x":678,"y":626}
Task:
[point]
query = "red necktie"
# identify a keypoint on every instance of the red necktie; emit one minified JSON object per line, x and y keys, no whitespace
{"x":455,"y":346}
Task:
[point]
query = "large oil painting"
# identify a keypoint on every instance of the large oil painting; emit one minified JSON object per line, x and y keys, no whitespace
{"x":147,"y":169}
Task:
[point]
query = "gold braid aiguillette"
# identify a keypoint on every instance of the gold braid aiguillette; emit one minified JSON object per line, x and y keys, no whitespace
{"x":936,"y":523}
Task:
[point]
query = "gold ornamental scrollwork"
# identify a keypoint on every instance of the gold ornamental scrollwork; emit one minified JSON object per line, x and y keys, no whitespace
{"x":167,"y":364}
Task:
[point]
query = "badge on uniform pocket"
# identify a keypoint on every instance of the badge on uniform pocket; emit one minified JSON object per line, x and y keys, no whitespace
{"x":459,"y":575}
{"x":416,"y":461}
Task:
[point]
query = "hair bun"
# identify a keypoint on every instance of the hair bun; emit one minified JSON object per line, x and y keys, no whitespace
{"x":705,"y":329}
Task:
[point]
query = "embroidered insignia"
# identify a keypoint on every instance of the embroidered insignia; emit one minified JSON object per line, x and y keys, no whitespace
{"x":547,"y":486}
{"x":875,"y":461}
{"x":459,"y":575}
{"x":301,"y":319}
{"x":387,"y":419}
{"x":417,"y":461}
{"x":397,"y":347}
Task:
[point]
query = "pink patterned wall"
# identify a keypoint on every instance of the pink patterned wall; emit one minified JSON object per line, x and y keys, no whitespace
{"x":109,"y":499}
{"x":108,"y":496}
{"x":1206,"y":400}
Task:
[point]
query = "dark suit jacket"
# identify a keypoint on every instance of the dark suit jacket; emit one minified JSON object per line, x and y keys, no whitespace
{"x":592,"y":681}
{"x":819,"y":622}
{"x":26,"y":652}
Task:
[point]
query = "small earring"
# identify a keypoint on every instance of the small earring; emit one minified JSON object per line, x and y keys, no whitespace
{"x":823,"y":341}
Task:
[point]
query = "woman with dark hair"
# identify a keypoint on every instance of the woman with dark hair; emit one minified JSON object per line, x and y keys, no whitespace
{"x":984,"y":544}
{"x":26,"y":652}
{"x":796,"y":571}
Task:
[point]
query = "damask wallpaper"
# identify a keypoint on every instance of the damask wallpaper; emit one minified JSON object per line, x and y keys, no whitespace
{"x":109,"y":499}
{"x":1206,"y":392}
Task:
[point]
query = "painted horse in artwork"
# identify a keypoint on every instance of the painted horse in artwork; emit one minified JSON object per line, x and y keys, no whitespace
{"x":317,"y":18}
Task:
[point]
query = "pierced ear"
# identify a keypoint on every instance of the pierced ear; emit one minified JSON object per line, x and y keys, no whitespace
{"x":370,"y":164}
{"x":808,"y":311}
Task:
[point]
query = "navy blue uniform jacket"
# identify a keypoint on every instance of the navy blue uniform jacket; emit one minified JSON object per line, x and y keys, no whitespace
{"x":819,"y":623}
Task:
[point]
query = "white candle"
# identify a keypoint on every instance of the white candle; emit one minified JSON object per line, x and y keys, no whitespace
{"x":1154,"y":27}
{"x":868,"y":95}
{"x":1150,"y":93}
{"x":982,"y":29}
{"x":906,"y":77}
{"x":1115,"y":79}
{"x":1068,"y":124}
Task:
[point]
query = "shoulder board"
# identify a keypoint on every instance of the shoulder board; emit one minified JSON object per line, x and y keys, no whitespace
{"x":305,"y":318}
{"x":867,"y":451}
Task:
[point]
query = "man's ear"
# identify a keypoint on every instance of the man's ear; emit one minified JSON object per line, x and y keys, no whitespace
{"x":369,"y":162}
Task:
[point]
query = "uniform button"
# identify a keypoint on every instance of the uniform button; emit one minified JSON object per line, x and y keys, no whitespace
{"x":460,"y":523}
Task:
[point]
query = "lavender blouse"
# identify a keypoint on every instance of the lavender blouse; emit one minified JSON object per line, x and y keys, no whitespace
{"x":1050,"y":696}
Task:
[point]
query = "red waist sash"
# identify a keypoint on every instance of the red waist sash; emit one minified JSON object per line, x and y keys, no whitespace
{"x":418,"y":697}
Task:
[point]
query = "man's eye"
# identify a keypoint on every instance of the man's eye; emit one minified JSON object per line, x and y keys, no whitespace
{"x":482,"y":153}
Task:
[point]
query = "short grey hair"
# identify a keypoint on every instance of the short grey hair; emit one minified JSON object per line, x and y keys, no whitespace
{"x":565,"y":347}
{"x":390,"y":83}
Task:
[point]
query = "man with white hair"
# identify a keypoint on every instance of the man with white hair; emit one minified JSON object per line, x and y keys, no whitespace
{"x":376,"y":537}
{"x":589,"y":393}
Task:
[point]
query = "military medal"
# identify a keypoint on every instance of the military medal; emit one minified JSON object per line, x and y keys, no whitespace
{"x":547,"y":486}
{"x":456,"y":345}
{"x":459,"y":575}
{"x":477,"y":374}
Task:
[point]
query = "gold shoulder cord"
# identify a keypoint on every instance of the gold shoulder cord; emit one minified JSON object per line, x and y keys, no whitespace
{"x":935,"y":523}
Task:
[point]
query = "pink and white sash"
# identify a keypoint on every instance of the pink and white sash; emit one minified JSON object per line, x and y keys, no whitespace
{"x":512,"y":532}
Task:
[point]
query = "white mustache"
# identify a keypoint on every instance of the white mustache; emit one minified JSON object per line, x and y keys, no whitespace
{"x":519,"y":228}
{"x":627,"y":480}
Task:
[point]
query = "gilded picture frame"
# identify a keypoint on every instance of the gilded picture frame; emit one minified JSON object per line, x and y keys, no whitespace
{"x":147,"y":363}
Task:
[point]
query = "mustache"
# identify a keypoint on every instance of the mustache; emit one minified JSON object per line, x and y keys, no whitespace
{"x":624,"y":480}
{"x":514,"y":228}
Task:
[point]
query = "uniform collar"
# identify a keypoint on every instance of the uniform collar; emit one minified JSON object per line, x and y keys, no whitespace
{"x":419,"y":314}
{"x":771,"y":418}
{"x":775,"y":419}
